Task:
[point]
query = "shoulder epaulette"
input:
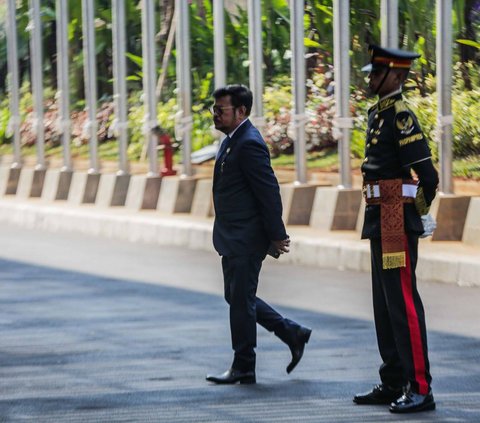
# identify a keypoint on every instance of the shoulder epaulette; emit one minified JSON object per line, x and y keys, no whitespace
{"x":400,"y":106}
{"x":386,"y":104}
{"x":371,"y":109}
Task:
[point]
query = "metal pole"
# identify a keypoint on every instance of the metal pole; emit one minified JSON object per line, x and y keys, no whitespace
{"x":90,"y":75}
{"x":63,"y":94}
{"x":389,"y":21}
{"x":37,"y":80}
{"x":13,"y":83}
{"x":298,"y":87}
{"x":182,"y":40}
{"x":120,"y":126}
{"x":256,"y":61}
{"x":343,"y":121}
{"x":219,"y":59}
{"x":444,"y":92}
{"x":149,"y":79}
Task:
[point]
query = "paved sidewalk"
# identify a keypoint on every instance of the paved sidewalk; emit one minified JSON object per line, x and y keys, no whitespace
{"x":451,"y":262}
{"x":101,"y":330}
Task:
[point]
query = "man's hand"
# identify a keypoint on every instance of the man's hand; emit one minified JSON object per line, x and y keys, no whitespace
{"x":283,"y":245}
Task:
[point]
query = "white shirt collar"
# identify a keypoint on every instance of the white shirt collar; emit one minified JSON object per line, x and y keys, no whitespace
{"x":235,"y":130}
{"x":399,"y":91}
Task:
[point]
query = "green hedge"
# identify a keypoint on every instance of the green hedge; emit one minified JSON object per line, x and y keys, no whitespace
{"x":320,"y":111}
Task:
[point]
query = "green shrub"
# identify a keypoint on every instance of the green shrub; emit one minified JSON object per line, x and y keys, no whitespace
{"x":466,"y":128}
{"x":202,"y":133}
{"x":4,"y":119}
{"x":320,"y":112}
{"x":466,"y":112}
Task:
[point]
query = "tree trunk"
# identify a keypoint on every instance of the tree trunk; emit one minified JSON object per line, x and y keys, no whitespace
{"x":167,"y":8}
{"x":470,"y":52}
{"x":201,"y":9}
{"x":167,"y":12}
{"x":467,"y":53}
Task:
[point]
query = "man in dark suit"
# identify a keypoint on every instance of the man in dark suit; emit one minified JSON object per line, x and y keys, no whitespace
{"x":248,"y":223}
{"x":396,"y":206}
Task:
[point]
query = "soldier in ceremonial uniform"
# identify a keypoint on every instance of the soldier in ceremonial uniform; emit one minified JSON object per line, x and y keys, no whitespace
{"x":396,"y":202}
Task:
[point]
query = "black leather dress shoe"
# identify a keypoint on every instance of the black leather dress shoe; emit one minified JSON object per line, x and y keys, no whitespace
{"x":298,"y":346}
{"x":379,"y":395}
{"x":232,"y":376}
{"x":411,"y":402}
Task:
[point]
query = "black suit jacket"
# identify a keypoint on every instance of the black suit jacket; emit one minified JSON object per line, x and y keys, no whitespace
{"x":246,"y":196}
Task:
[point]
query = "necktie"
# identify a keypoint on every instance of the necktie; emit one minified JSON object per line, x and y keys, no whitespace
{"x":223,"y":147}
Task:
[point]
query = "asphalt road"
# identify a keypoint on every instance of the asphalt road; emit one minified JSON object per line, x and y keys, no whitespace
{"x":95,"y":330}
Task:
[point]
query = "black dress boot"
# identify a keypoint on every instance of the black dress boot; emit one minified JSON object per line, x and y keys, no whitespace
{"x":411,"y":402}
{"x":297,"y":346}
{"x":232,"y":376}
{"x":379,"y":395}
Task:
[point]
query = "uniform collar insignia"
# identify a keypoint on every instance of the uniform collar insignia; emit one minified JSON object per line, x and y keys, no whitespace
{"x":388,"y":102}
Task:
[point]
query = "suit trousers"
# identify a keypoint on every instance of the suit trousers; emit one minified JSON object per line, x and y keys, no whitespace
{"x":400,"y":320}
{"x":240,"y":275}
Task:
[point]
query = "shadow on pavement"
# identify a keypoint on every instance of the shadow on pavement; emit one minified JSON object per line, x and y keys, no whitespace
{"x":75,"y":347}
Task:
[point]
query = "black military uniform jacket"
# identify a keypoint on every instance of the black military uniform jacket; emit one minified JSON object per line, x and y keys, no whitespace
{"x":394,"y":143}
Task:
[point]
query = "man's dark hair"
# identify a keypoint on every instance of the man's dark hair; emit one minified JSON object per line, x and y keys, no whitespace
{"x":240,"y":95}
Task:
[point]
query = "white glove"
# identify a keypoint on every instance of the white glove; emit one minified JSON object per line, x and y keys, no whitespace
{"x":429,"y":225}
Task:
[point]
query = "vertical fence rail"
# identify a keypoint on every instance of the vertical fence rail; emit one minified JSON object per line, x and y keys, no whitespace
{"x":298,"y":86}
{"x":184,"y":83}
{"x":256,"y":61}
{"x":13,"y":82}
{"x":341,"y":56}
{"x":35,"y":28}
{"x":120,"y":123}
{"x":149,"y":77}
{"x":389,"y":20}
{"x":219,"y":58}
{"x":444,"y":91}
{"x":63,"y":88}
{"x":90,"y":75}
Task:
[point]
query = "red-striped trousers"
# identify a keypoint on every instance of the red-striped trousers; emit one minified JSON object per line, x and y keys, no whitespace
{"x":400,"y":321}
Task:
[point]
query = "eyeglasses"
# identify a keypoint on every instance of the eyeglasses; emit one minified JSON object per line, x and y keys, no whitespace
{"x":217,"y":110}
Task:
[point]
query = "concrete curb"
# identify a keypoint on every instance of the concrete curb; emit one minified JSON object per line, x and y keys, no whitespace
{"x":449,"y":262}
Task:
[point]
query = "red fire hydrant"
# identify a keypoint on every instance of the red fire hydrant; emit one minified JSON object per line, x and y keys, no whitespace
{"x":165,"y":143}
